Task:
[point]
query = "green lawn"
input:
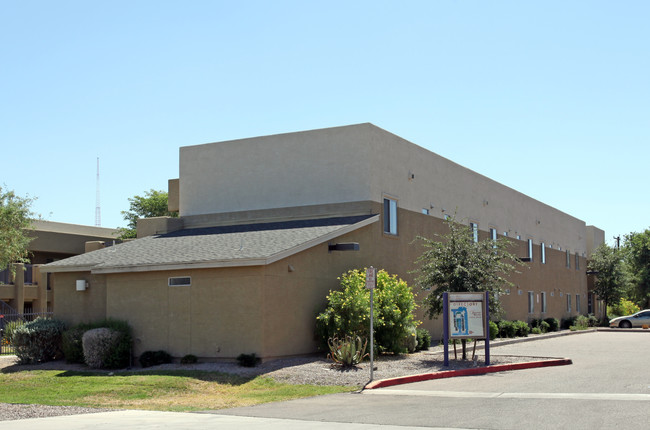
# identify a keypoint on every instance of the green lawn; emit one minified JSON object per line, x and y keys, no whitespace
{"x":157,"y":390}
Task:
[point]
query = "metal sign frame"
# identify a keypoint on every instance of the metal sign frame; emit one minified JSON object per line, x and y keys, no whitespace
{"x":469,"y":308}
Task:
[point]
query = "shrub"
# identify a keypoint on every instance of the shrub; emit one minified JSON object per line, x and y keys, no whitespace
{"x":566,"y":323}
{"x":521,"y":328}
{"x":593,"y":321}
{"x":545,"y":327}
{"x":494,"y":330}
{"x":118,"y":357}
{"x":553,"y":324}
{"x":581,"y":323}
{"x":72,"y":345}
{"x":154,"y":358}
{"x":189,"y":359}
{"x":348,"y":311}
{"x":38,"y":340}
{"x":410,"y":342}
{"x":10,"y":328}
{"x":423,"y":338}
{"x":507,"y":329}
{"x":536,"y":330}
{"x":623,"y":307}
{"x":248,"y":360}
{"x":97,"y":345}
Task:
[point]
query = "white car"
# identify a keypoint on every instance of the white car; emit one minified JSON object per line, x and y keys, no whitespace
{"x":638,"y":319}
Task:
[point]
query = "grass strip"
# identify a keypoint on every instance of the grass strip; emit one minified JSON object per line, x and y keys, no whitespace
{"x":181,"y":390}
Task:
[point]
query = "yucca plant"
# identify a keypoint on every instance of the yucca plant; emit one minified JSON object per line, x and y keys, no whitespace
{"x":348,"y":351}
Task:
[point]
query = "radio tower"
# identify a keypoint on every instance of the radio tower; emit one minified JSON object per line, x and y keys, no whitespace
{"x":98,"y":211}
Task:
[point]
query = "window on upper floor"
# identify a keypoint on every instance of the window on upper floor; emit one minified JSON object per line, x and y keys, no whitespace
{"x":390,"y":216}
{"x":577,"y":261}
{"x":568,"y":258}
{"x":542,"y":249}
{"x":530,"y":249}
{"x":493,"y":236}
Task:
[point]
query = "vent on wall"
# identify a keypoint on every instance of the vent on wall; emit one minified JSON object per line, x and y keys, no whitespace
{"x":180,"y":281}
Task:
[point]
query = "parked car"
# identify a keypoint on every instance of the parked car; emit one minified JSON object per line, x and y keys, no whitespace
{"x":638,"y":319}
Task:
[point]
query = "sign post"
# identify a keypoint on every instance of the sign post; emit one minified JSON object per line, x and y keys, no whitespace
{"x":466,"y":315}
{"x":371,"y":283}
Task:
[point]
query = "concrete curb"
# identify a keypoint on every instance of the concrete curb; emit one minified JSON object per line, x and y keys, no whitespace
{"x":466,"y":372}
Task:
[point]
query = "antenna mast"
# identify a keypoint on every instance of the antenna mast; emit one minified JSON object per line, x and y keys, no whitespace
{"x":98,"y":211}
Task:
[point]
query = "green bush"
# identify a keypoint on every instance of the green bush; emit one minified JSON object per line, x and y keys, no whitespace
{"x":248,"y":360}
{"x":593,"y":321}
{"x":348,"y":311}
{"x":423,"y":338}
{"x":38,"y":340}
{"x":494,"y":330}
{"x":623,"y":307}
{"x":521,"y":328}
{"x":544,"y":327}
{"x":566,"y":323}
{"x":536,"y":330}
{"x":553,"y":324}
{"x":581,"y":322}
{"x":154,"y":358}
{"x":507,"y":329}
{"x":10,"y":328}
{"x":118,"y":357}
{"x":189,"y":359}
{"x":72,"y":345}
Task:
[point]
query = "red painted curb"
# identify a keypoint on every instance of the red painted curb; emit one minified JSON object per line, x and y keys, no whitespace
{"x":466,"y":372}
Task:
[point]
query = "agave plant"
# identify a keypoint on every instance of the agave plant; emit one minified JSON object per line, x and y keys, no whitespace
{"x":348,"y":351}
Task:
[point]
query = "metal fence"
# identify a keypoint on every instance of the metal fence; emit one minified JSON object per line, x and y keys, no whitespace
{"x":9,"y":319}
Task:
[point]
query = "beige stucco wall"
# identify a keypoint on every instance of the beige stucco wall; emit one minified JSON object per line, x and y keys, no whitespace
{"x":359,"y":163}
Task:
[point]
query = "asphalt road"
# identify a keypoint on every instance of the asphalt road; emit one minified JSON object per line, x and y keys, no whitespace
{"x":606,"y":387}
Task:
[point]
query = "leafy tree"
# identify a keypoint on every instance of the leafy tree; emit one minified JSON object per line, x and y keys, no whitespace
{"x":15,"y":221}
{"x":455,"y":262}
{"x":637,"y":248}
{"x":609,"y":284}
{"x":348,"y":311}
{"x":152,"y":204}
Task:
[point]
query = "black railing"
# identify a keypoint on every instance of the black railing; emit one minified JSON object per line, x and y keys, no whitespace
{"x":10,"y":318}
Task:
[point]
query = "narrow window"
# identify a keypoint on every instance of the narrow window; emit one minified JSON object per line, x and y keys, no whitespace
{"x":390,"y":216}
{"x":518,"y":237}
{"x":577,"y":261}
{"x":179,"y":281}
{"x":474,"y":227}
{"x":578,"y":303}
{"x":530,"y":249}
{"x":590,"y":303}
{"x":568,"y":302}
{"x":543,"y":252}
{"x":543,"y":294}
{"x":493,"y":236}
{"x":568,"y":258}
{"x":505,"y":233}
{"x":531,"y":302}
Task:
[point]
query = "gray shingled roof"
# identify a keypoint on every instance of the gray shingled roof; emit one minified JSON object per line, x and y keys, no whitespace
{"x":239,"y":245}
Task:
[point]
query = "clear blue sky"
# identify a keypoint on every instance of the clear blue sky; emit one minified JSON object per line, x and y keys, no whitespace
{"x":551,"y":98}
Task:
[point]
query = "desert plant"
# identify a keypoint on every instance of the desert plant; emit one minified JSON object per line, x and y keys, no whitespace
{"x":553,"y":324}
{"x":411,"y":340}
{"x":248,"y":360}
{"x":348,"y":351}
{"x":423,"y":338}
{"x":154,"y":358}
{"x":348,"y":311}
{"x":189,"y":359}
{"x":38,"y":340}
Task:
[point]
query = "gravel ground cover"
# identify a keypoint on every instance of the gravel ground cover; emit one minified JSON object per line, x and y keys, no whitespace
{"x":297,"y":370}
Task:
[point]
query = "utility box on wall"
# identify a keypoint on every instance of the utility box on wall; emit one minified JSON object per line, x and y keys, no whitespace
{"x":81,"y":285}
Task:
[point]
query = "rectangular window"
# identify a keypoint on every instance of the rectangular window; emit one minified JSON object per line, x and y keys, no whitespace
{"x":543,"y":252}
{"x":425,"y":211}
{"x":518,"y":237}
{"x":493,"y":236}
{"x":568,"y":258}
{"x":530,"y":249}
{"x":179,"y":281}
{"x":568,"y":302}
{"x":578,"y":303}
{"x":543,"y":294}
{"x":590,"y":303}
{"x":577,"y":261}
{"x":390,"y":216}
{"x":474,"y":227}
{"x":505,"y":233}
{"x":531,"y":302}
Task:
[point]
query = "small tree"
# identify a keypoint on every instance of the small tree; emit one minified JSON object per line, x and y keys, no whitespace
{"x":348,"y":311}
{"x":456,"y":262}
{"x":152,"y":204}
{"x":637,"y":249}
{"x":607,"y":263}
{"x":15,"y":221}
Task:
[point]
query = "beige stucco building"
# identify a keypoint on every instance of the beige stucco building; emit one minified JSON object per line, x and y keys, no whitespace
{"x":248,"y":263}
